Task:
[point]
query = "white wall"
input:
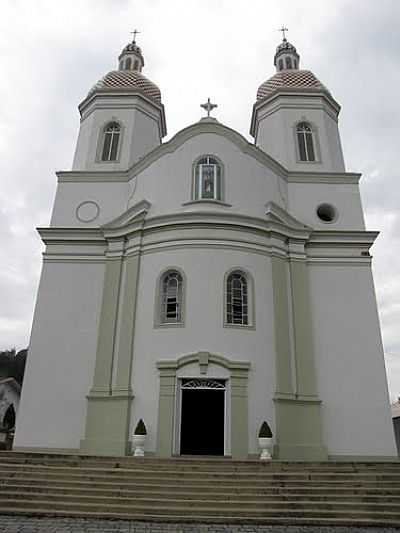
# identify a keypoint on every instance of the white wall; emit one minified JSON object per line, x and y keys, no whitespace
{"x":276,"y":133}
{"x":61,"y":358}
{"x":203,"y":331}
{"x":304,"y":198}
{"x":349,"y":360}
{"x":140,"y":132}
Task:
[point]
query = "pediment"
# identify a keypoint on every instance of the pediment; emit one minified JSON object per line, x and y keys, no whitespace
{"x":205,"y":126}
{"x":276,"y":214}
{"x":127,"y":221}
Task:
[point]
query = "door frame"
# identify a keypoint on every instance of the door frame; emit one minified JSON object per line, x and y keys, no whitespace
{"x":237,"y":373}
{"x":178,"y":408}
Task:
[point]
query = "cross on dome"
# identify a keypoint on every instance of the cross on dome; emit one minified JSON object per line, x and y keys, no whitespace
{"x":286,"y":57}
{"x":208,"y":106}
{"x":283,"y":30}
{"x":134,"y":32}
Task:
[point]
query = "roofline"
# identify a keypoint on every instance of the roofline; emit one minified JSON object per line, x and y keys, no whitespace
{"x":207,"y":126}
{"x":286,"y":92}
{"x":124,"y":92}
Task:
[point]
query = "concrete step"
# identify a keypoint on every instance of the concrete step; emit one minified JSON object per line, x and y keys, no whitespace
{"x":204,"y":519}
{"x":230,"y":513}
{"x":149,"y":473}
{"x":203,"y":484}
{"x":198,"y":499}
{"x":187,"y":462}
{"x":195,"y":492}
{"x":205,"y":490}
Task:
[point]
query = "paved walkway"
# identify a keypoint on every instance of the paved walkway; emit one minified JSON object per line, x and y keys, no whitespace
{"x":21,"y":524}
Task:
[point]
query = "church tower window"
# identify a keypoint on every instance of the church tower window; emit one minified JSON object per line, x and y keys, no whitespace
{"x":128,"y":63}
{"x":111,"y":137}
{"x":237,"y":299}
{"x":171,"y":290}
{"x":207,"y":179}
{"x":305,"y":141}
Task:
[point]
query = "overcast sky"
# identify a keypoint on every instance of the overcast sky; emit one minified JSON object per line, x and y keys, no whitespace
{"x":52,"y":52}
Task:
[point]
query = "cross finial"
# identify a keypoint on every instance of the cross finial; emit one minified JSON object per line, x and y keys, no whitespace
{"x":208,"y":106}
{"x":283,"y":30}
{"x":135,"y":32}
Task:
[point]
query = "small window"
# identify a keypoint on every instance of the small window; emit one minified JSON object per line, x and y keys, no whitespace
{"x":136,"y":65}
{"x":171,"y":290}
{"x":128,"y":63}
{"x":305,"y":142}
{"x":207,"y":184}
{"x":280,"y":63}
{"x":288,"y":62}
{"x":237,"y":299}
{"x":294,"y":63}
{"x":110,"y":142}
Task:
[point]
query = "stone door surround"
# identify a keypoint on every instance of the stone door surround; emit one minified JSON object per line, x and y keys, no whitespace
{"x":238,"y":378}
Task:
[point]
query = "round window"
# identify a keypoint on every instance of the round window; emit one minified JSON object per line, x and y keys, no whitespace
{"x":326,"y":213}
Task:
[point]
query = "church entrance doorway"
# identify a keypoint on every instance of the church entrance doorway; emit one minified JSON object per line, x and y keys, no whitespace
{"x":202,"y":429}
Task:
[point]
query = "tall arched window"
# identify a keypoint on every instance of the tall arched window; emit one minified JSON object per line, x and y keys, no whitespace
{"x":288,"y":62}
{"x":237,"y":299}
{"x":171,"y":301}
{"x":111,"y":137}
{"x":207,"y":179}
{"x":305,"y":141}
{"x":128,"y":63}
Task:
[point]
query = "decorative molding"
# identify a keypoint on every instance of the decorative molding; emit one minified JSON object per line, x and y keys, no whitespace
{"x":168,"y":365}
{"x":199,"y":128}
{"x":81,"y":207}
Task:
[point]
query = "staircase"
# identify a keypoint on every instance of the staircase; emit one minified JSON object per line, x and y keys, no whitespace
{"x":200,"y":490}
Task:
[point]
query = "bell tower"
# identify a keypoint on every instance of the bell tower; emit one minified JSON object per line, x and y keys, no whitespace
{"x":295,"y":117}
{"x":122,"y":117}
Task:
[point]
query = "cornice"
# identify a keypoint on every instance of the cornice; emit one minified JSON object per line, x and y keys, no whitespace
{"x":284,"y":93}
{"x":199,"y":128}
{"x":342,"y":178}
{"x":92,"y":98}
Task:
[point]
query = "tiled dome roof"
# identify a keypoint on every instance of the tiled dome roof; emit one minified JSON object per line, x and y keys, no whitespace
{"x":128,"y":79}
{"x":290,"y":79}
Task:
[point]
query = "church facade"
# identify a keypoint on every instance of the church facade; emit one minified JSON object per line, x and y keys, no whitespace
{"x":206,"y":284}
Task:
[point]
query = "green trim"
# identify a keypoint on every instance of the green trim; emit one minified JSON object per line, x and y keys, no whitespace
{"x":297,"y":406}
{"x":239,"y":400}
{"x":107,"y":420}
{"x":110,"y":398}
{"x":127,"y":326}
{"x":305,"y":371}
{"x":298,"y":430}
{"x":107,"y":325}
{"x":284,"y":384}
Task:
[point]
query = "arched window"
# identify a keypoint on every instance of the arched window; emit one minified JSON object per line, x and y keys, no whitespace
{"x":111,"y":137}
{"x":128,"y":63}
{"x":237,"y":299}
{"x":136,"y":65}
{"x":207,"y":179}
{"x":288,"y":62}
{"x":305,"y":141}
{"x":171,"y":301}
{"x":280,"y":63}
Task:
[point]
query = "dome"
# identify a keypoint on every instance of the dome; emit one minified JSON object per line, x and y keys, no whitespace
{"x":132,"y":48}
{"x":128,"y":80}
{"x":290,"y":79}
{"x":285,"y":46}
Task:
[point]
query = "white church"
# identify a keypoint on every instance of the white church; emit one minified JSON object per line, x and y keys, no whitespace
{"x":207,"y":284}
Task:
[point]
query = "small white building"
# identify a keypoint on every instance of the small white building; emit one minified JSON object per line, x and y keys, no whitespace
{"x":10,"y":392}
{"x":207,"y":284}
